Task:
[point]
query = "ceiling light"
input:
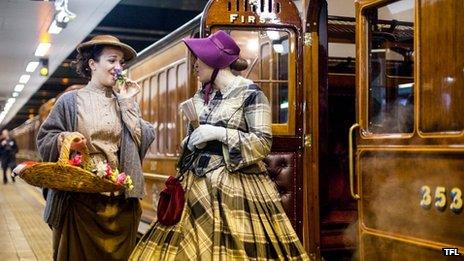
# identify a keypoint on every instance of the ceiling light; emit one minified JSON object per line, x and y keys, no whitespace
{"x":43,"y":67}
{"x":54,"y":28}
{"x":32,"y":66}
{"x":15,"y":94}
{"x":18,"y":87}
{"x":24,"y":78}
{"x":62,"y":17}
{"x":42,"y":49}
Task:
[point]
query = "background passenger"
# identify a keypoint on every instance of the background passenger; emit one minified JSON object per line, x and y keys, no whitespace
{"x":8,"y":150}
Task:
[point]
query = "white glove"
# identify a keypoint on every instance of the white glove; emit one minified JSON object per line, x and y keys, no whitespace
{"x":190,"y":146}
{"x":206,"y":133}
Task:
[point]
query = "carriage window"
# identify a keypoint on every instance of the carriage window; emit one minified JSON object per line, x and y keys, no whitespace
{"x":391,"y":73}
{"x":267,"y":53}
{"x":442,"y":67}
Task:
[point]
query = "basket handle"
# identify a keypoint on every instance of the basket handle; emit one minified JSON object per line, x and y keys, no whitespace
{"x":66,"y":147}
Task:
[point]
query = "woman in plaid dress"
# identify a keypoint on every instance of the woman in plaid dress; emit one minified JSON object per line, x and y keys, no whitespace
{"x":232,"y":209}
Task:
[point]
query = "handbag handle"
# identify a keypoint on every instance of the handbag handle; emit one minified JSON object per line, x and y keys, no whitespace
{"x":66,"y":148}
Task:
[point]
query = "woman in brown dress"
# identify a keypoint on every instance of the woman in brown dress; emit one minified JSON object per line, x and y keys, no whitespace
{"x":98,"y":226}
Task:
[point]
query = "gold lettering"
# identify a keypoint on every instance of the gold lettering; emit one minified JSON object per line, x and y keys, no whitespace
{"x":250,"y":19}
{"x":233,"y":17}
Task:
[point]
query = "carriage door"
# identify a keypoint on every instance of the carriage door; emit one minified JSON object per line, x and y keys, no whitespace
{"x":407,"y":169}
{"x":269,"y":35}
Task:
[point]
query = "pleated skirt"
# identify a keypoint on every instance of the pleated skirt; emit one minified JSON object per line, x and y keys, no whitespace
{"x":227,"y":216}
{"x":97,"y":227}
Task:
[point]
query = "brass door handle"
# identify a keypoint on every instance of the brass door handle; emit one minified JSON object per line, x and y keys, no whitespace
{"x":350,"y":158}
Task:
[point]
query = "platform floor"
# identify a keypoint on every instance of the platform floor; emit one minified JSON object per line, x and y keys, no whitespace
{"x":23,"y":233}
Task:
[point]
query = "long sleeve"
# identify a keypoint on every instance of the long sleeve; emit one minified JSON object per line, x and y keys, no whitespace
{"x":58,"y":121}
{"x":62,"y":118}
{"x":137,"y":138}
{"x":245,"y":148}
{"x":131,"y":118}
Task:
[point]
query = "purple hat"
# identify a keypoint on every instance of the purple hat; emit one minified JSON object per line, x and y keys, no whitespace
{"x":218,"y":50}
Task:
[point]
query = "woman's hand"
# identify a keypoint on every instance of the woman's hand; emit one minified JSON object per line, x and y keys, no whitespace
{"x":129,"y":89}
{"x":79,"y":143}
{"x":205,"y":133}
{"x":190,"y":146}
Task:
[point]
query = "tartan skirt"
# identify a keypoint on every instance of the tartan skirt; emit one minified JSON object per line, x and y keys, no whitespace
{"x":227,"y":216}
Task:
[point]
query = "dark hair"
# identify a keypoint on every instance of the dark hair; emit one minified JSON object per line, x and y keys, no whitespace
{"x":82,"y":59}
{"x":239,"y":65}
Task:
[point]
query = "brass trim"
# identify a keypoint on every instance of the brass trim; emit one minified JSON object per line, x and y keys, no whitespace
{"x":350,"y":156}
{"x":308,"y":142}
{"x":409,"y":240}
{"x":308,"y":39}
{"x":155,"y":176}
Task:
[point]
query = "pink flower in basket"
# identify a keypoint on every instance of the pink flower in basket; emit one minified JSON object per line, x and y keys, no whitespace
{"x":104,"y":170}
{"x":76,"y":160}
{"x":121,"y":178}
{"x":108,"y":170}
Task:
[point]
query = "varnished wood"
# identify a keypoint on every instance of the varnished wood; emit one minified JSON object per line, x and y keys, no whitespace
{"x":440,"y":57}
{"x":399,"y":164}
{"x":217,"y":14}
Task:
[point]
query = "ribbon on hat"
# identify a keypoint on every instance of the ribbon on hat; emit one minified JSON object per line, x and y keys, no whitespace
{"x":208,"y":87}
{"x":222,"y":47}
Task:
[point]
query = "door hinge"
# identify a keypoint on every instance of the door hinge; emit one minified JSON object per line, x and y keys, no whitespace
{"x":308,"y":39}
{"x":308,"y":142}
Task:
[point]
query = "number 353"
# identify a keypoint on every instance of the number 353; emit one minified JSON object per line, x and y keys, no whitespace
{"x":440,"y":198}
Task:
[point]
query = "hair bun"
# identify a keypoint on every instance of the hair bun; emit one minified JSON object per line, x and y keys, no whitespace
{"x":239,"y":65}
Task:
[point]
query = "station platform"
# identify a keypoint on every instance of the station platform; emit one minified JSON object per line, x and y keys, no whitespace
{"x":23,"y":233}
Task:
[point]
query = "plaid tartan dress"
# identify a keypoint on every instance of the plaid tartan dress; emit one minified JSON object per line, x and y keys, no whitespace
{"x":232,"y":209}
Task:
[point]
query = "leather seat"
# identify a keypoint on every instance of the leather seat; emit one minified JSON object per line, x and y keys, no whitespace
{"x":282,"y":170}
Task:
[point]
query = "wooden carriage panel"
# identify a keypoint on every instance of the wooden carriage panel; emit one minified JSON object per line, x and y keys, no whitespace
{"x":383,"y":248}
{"x":165,"y":76}
{"x":145,"y":105}
{"x":441,"y":59}
{"x":247,"y":12}
{"x":172,"y":104}
{"x":413,"y":193}
{"x":157,"y":61}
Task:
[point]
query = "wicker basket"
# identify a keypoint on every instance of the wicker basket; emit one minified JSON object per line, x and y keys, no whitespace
{"x":63,"y":176}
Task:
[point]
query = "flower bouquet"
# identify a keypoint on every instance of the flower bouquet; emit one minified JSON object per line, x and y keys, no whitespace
{"x":103,"y":170}
{"x":77,"y":174}
{"x":120,"y":76}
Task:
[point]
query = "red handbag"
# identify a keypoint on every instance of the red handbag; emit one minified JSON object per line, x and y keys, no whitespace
{"x":171,"y":202}
{"x":172,"y":198}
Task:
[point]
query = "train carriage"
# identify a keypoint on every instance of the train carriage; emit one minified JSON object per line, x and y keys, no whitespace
{"x":409,"y":152}
{"x":388,"y":186}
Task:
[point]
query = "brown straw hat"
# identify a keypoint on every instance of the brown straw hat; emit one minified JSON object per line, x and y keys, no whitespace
{"x":129,"y":52}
